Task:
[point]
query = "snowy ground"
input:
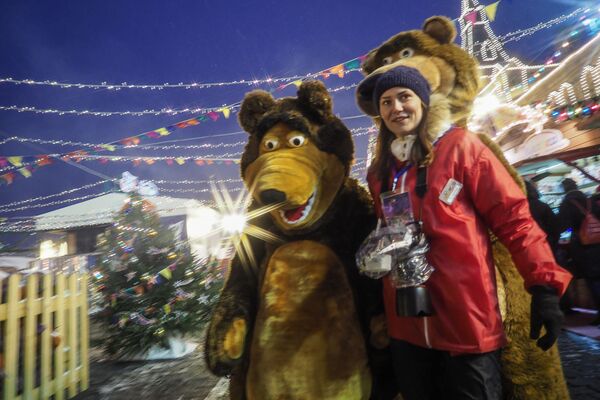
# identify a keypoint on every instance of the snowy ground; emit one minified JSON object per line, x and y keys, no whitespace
{"x":183,"y":379}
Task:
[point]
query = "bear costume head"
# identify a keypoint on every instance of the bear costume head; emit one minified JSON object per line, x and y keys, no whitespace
{"x":452,"y":74}
{"x":298,"y":154}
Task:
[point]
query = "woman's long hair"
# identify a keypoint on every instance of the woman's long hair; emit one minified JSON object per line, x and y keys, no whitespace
{"x":421,"y":153}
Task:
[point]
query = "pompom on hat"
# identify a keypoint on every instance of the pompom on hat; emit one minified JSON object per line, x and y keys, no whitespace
{"x":373,"y":86}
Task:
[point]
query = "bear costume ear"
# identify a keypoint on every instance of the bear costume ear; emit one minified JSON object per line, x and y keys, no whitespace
{"x":314,"y":101}
{"x":440,"y":28}
{"x":254,"y":106}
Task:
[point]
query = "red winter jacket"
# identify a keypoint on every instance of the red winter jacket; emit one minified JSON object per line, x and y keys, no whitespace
{"x":463,"y":287}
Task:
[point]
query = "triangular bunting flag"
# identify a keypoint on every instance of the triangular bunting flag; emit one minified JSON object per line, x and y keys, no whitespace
{"x":201,"y":118}
{"x":137,"y":162}
{"x":180,"y":160}
{"x":352,"y":64}
{"x":169,"y":161}
{"x":25,"y":172}
{"x":297,"y":83}
{"x":108,"y":147}
{"x":199,"y":162}
{"x":471,"y":17}
{"x":209,"y":162}
{"x":192,"y":122}
{"x":181,"y":124}
{"x":491,"y":10}
{"x":213,"y":115}
{"x":149,"y":161}
{"x":3,"y":162}
{"x":15,"y":160}
{"x":338,"y":70}
{"x":153,"y":134}
{"x":225,"y":112}
{"x":166,"y":273}
{"x":8,"y":178}
{"x":162,"y":131}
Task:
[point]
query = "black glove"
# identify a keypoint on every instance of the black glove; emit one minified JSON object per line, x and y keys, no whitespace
{"x":545,"y":311}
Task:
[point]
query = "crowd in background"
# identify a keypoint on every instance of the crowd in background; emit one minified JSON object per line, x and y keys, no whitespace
{"x":582,"y":260}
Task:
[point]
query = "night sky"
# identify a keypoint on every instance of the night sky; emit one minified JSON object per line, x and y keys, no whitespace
{"x":155,"y":42}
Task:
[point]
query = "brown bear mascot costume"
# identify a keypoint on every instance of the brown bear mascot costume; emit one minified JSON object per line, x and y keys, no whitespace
{"x":295,"y":324}
{"x":528,"y":372}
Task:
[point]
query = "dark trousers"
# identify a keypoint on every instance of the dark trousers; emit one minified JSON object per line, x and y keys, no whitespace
{"x":424,"y":374}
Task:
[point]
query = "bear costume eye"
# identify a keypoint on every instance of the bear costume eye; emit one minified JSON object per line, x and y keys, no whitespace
{"x":271,"y":144}
{"x":296,"y":140}
{"x":407,"y":52}
{"x":387,"y":60}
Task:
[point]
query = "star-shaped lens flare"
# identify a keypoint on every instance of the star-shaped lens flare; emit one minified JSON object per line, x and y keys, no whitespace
{"x":235,"y":221}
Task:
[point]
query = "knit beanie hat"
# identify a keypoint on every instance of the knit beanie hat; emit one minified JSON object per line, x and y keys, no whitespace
{"x":374,"y":85}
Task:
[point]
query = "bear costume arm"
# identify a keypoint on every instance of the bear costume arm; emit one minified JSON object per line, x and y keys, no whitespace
{"x":232,"y":319}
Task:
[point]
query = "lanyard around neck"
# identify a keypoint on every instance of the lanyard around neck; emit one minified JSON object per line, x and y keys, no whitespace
{"x":401,"y":173}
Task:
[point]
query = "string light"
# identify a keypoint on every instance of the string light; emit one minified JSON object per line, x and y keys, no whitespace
{"x":558,"y":96}
{"x":518,"y":35}
{"x":164,"y":111}
{"x":82,"y":156}
{"x":56,"y":202}
{"x":35,"y":199}
{"x":100,"y":217}
{"x":180,"y":85}
{"x":6,"y":207}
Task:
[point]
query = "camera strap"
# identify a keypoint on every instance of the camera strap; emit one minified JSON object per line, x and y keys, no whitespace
{"x":421,"y":187}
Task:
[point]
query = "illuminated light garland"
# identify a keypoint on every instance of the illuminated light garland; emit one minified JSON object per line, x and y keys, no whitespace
{"x":582,"y":109}
{"x":83,"y":155}
{"x":24,"y":224}
{"x":204,"y":190}
{"x":32,"y":200}
{"x":511,"y":36}
{"x":594,"y":73}
{"x":185,"y":182}
{"x":56,"y":202}
{"x":494,"y":45}
{"x":180,"y":85}
{"x":591,"y":44}
{"x":165,"y":111}
{"x":542,"y":25}
{"x":5,"y":208}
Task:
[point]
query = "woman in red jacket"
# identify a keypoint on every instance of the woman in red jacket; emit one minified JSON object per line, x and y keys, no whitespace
{"x":455,"y":353}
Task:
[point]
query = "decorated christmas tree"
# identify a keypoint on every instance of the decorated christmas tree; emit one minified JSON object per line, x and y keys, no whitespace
{"x":152,"y":291}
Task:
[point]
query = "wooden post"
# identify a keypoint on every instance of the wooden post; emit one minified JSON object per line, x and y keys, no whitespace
{"x":72,"y":335}
{"x":30,"y":338}
{"x":59,"y":353}
{"x":85,"y":332}
{"x":11,"y":335}
{"x":45,"y":338}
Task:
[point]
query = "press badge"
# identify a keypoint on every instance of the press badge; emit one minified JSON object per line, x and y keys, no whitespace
{"x":396,"y":208}
{"x":450,"y":191}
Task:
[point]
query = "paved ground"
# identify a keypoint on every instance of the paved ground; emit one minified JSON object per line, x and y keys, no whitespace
{"x":188,"y":378}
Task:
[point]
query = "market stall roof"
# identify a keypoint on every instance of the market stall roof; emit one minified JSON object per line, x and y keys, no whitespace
{"x":582,"y":143}
{"x":100,"y":211}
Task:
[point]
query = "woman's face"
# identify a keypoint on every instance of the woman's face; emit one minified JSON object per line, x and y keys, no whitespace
{"x":401,"y":110}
